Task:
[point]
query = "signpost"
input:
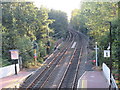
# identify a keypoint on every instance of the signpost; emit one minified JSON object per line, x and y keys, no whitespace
{"x":15,"y":57}
{"x":106,"y":53}
{"x":35,"y":46}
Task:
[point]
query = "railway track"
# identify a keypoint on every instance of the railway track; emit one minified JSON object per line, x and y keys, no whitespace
{"x":69,"y":80}
{"x":60,"y":69}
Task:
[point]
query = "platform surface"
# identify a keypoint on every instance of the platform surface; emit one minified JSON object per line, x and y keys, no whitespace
{"x":93,"y":79}
{"x":14,"y":81}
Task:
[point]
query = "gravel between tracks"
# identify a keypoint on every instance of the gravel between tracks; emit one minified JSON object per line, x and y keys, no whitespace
{"x":54,"y":76}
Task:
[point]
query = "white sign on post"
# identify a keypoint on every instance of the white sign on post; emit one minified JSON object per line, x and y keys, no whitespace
{"x":14,"y":54}
{"x":106,"y":53}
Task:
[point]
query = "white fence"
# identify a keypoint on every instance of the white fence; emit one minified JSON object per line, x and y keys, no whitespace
{"x":106,"y":72}
{"x":8,"y":70}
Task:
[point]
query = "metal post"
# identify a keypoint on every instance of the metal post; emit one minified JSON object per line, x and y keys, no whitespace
{"x":20,"y":62}
{"x":110,"y":56}
{"x":48,"y":43}
{"x":15,"y":67}
{"x":96,"y":54}
{"x":35,"y":56}
{"x":96,"y":48}
{"x":35,"y":46}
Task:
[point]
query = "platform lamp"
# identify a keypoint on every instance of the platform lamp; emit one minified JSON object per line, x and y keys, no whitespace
{"x":110,"y":44}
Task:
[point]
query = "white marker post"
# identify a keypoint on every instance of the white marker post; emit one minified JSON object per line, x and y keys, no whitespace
{"x":96,"y":48}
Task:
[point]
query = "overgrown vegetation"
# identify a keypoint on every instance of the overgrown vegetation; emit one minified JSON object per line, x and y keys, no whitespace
{"x":92,"y":19}
{"x":22,"y":24}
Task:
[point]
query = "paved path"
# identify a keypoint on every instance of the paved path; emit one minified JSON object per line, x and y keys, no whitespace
{"x":14,"y":81}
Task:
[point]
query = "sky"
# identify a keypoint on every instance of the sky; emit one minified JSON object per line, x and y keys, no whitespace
{"x":63,"y":5}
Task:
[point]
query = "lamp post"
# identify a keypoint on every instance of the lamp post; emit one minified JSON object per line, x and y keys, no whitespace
{"x":110,"y":56}
{"x":110,"y":44}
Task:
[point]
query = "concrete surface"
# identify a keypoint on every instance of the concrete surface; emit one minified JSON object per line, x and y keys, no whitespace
{"x":14,"y":81}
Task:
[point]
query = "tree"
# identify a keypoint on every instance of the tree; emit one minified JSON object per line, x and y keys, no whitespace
{"x":60,"y":24}
{"x":78,"y":21}
{"x":23,"y":23}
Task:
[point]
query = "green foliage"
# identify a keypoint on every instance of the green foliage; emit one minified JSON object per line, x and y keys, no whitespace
{"x":60,"y":23}
{"x":42,"y":49}
{"x":22,"y":23}
{"x":92,"y":16}
{"x":78,"y":21}
{"x":97,"y":14}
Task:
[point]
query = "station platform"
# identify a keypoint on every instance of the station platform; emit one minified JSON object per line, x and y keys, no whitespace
{"x":93,"y":79}
{"x":14,"y":81}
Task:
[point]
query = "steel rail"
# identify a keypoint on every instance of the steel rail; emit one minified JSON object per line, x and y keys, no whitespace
{"x":41,"y":83}
{"x":35,"y":79}
{"x":66,"y":69}
{"x":61,"y":85}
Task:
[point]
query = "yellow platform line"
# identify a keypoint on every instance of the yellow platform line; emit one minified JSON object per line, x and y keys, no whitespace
{"x":84,"y":84}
